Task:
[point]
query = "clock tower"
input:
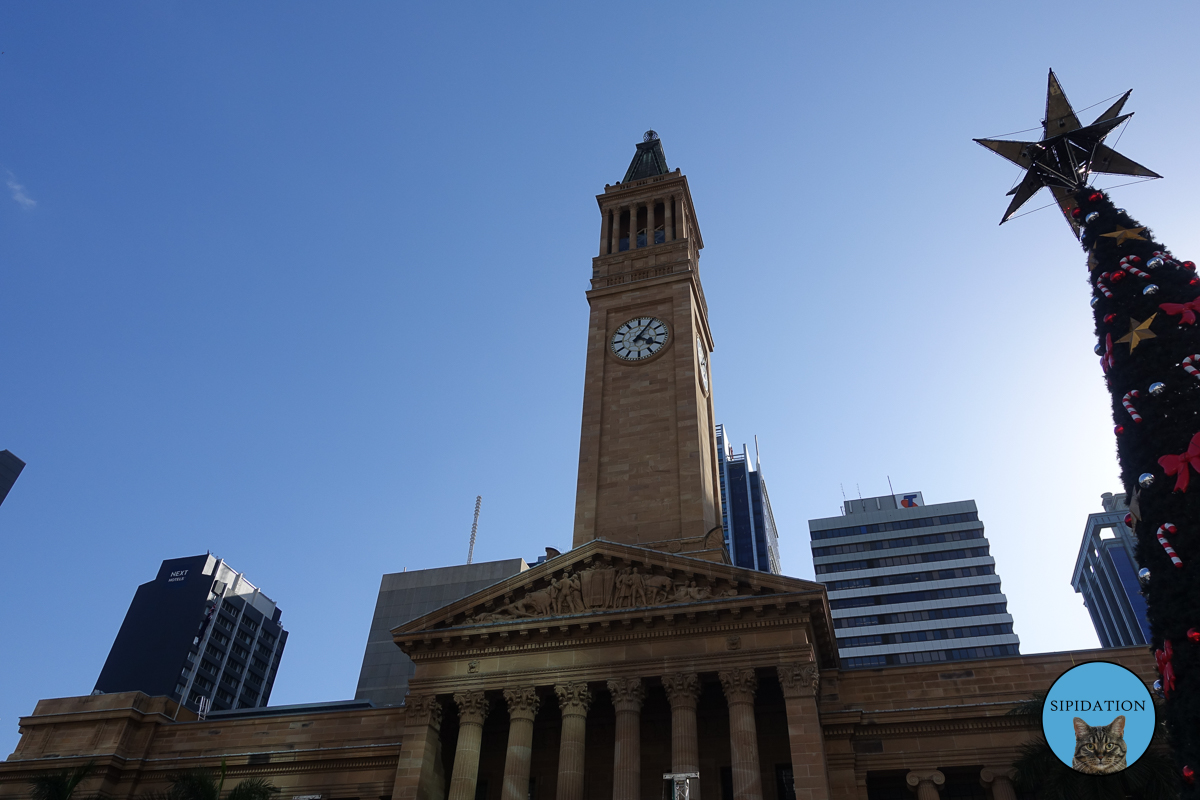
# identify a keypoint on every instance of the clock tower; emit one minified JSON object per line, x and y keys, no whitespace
{"x":647,"y":452}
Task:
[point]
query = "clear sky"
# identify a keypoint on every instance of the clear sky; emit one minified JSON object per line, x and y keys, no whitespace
{"x":267,"y":272}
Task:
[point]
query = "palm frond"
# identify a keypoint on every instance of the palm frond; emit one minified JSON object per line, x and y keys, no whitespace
{"x":253,"y":789}
{"x":1029,"y":708}
{"x":194,"y":784}
{"x":58,"y":785}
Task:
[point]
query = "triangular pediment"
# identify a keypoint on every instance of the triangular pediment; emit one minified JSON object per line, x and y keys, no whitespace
{"x":604,"y":580}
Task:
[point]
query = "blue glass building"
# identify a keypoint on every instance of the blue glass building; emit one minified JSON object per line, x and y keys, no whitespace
{"x":1106,"y":576}
{"x":750,"y":534}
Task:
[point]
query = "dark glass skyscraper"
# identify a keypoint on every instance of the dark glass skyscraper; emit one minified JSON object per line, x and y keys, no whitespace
{"x":750,"y":534}
{"x":1106,"y":576}
{"x":199,"y":629}
{"x":10,"y":468}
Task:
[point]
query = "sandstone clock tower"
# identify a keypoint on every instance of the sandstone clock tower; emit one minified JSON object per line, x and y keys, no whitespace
{"x":647,"y":453}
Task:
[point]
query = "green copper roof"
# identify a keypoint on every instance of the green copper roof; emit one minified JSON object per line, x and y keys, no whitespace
{"x":649,"y":160}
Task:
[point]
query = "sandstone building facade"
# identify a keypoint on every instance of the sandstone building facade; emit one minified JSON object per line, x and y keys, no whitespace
{"x":640,"y":652}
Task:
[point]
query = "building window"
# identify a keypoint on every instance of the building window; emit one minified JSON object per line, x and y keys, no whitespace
{"x":245,"y":637}
{"x":225,"y":622}
{"x":220,"y":638}
{"x":208,"y":667}
{"x":224,"y":695}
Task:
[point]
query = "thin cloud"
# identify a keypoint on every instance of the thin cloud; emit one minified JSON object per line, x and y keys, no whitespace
{"x":18,"y":192}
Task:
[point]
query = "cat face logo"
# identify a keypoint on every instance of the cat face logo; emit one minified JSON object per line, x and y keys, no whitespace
{"x":1098,"y":718}
{"x":1099,"y":749}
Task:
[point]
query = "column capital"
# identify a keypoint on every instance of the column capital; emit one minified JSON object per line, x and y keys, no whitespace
{"x":1000,"y":781}
{"x":573,"y":698}
{"x":472,"y":706}
{"x":627,"y":693}
{"x":929,"y":780}
{"x":682,"y":688}
{"x":739,"y":684}
{"x":523,"y":702}
{"x":424,"y":708}
{"x":799,"y":679}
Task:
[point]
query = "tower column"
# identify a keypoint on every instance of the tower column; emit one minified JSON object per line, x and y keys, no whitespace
{"x":573,"y":700}
{"x":633,"y":215}
{"x":472,"y":711}
{"x":614,"y":230}
{"x":668,"y":218}
{"x":522,"y":708}
{"x":801,"y":683}
{"x":627,"y":695}
{"x":740,"y":686}
{"x":605,"y":231}
{"x":683,"y":688}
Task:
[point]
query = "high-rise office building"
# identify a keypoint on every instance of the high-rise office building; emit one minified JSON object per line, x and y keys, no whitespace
{"x":198,"y":630}
{"x":750,"y":534}
{"x":10,"y":468}
{"x":404,"y":596}
{"x":911,"y":583}
{"x":1106,"y":576}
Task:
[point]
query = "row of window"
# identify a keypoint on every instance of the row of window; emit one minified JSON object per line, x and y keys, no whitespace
{"x":904,"y":637}
{"x":915,"y":597}
{"x":899,"y":561}
{"x":861,"y":662}
{"x":911,"y":577}
{"x":921,"y":616}
{"x":898,"y":525}
{"x":887,"y":544}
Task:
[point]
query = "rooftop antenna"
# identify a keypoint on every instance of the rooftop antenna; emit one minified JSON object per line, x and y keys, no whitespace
{"x":474,"y":528}
{"x":856,"y":486}
{"x":757,"y":460}
{"x":890,"y":489}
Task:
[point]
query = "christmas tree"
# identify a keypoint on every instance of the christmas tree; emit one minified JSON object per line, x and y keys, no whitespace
{"x":1146,"y":304}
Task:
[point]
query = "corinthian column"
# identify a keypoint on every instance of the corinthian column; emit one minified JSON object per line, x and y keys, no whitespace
{"x":739,"y":686}
{"x":472,"y":710}
{"x":682,"y":690}
{"x":627,"y":695}
{"x":801,"y":683}
{"x":522,"y":708}
{"x":573,"y":699}
{"x":419,"y":774}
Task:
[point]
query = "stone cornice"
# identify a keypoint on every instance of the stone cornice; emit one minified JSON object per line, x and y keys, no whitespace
{"x":919,"y":727}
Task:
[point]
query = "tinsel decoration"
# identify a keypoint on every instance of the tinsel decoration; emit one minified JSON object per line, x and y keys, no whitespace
{"x":1158,"y":454}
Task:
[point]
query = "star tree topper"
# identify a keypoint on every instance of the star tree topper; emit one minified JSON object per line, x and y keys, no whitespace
{"x":1067,"y":153}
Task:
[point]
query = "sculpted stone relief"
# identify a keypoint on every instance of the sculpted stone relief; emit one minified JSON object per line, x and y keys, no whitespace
{"x":600,"y":587}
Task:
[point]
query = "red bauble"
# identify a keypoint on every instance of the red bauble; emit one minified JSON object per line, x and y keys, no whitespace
{"x":1129,"y":520}
{"x":1194,"y":634}
{"x":1095,"y":197}
{"x":1076,"y":212}
{"x":1118,"y":430}
{"x":1189,"y":265}
{"x":1189,"y":775}
{"x":1108,"y":318}
{"x":1193,"y":281}
{"x":1117,"y":277}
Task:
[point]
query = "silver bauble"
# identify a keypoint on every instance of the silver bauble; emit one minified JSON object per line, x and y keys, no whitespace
{"x":1145,"y":479}
{"x":1099,"y":348}
{"x":1092,"y":217}
{"x":1158,"y":688}
{"x":1155,"y":263}
{"x":1151,"y":288}
{"x":1143,"y":576}
{"x":1157,"y":388}
{"x":1120,"y":211}
{"x":1094,"y":301}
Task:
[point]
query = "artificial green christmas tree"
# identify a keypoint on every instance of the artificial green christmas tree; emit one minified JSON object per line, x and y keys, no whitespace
{"x":1146,"y":304}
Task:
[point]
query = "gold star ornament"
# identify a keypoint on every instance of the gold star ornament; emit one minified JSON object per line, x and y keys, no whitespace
{"x":1124,"y":234}
{"x":1137,"y":332}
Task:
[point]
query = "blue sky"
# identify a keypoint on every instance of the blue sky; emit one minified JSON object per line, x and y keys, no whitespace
{"x":259,"y":265}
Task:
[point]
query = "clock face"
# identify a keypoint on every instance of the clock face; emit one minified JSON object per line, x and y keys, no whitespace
{"x":703,"y":364}
{"x":639,"y":338}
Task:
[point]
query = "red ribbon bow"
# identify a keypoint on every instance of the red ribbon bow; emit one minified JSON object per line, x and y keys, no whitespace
{"x":1163,"y":659}
{"x":1178,"y":465}
{"x":1187,"y":310}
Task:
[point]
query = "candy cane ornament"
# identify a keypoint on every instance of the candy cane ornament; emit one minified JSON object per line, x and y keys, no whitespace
{"x":1188,"y":368}
{"x":1100,"y":285}
{"x":1131,"y":269}
{"x":1129,"y":406}
{"x":1163,"y":530}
